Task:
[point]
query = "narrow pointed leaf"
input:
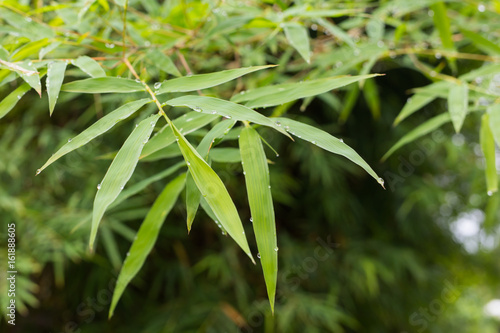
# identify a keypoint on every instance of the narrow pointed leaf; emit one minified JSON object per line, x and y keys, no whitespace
{"x":224,"y":108}
{"x":55,"y":78}
{"x":89,"y":66}
{"x":103,"y":85}
{"x":287,"y":92}
{"x":193,"y":195}
{"x":186,"y":124}
{"x":225,"y":155}
{"x":413,"y":104}
{"x":488,"y":148}
{"x":99,"y":127}
{"x":442,"y":24}
{"x":494,"y":114}
{"x":11,"y":100}
{"x":163,"y":62}
{"x":260,"y":200}
{"x":425,"y":128}
{"x":120,"y":171}
{"x":214,"y":192}
{"x":458,"y":99}
{"x":336,"y":31}
{"x":146,"y":237}
{"x":298,"y":37}
{"x":202,"y":81}
{"x":31,"y":77}
{"x":326,"y":141}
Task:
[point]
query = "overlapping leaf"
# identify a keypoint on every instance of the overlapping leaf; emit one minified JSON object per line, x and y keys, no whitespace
{"x":55,"y":78}
{"x":458,"y":100}
{"x":89,"y":66}
{"x":120,"y":171}
{"x":298,"y":37}
{"x":99,"y":127}
{"x":146,"y":237}
{"x":258,"y":187}
{"x":494,"y":115}
{"x":103,"y":85}
{"x":488,"y":148}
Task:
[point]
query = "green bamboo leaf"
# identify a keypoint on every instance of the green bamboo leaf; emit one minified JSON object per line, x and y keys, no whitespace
{"x":225,"y":155}
{"x":425,"y":128}
{"x":482,"y":43}
{"x":55,"y":78}
{"x":193,"y":195}
{"x":163,"y":62}
{"x":214,"y":192}
{"x":442,"y":24}
{"x":350,"y":100}
{"x":120,"y":171}
{"x":89,"y":66}
{"x":11,"y":100}
{"x":146,"y":237}
{"x":488,"y":148}
{"x":99,"y":127}
{"x":370,"y":91}
{"x":260,"y":200}
{"x":202,"y":81}
{"x":413,"y":104}
{"x":224,"y":108}
{"x":458,"y":100}
{"x":298,"y":38}
{"x":103,"y":85}
{"x":284,"y":93}
{"x":336,"y":31}
{"x":328,"y":142}
{"x":186,"y":124}
{"x":31,"y":76}
{"x":494,"y":114}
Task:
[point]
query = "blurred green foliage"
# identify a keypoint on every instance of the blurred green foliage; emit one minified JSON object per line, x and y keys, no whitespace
{"x":352,"y":257}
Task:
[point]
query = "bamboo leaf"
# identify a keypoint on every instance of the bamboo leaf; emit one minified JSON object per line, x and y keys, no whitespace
{"x":89,"y":66}
{"x":494,"y":114}
{"x":146,"y":237}
{"x":120,"y":171}
{"x":11,"y":100}
{"x":488,"y":148}
{"x":103,"y":85}
{"x":193,"y":196}
{"x":163,"y":62}
{"x":421,"y":130}
{"x":260,"y":200}
{"x":284,"y":93}
{"x":482,"y":43}
{"x":458,"y":100}
{"x":413,"y":104}
{"x":217,"y":132}
{"x":186,"y":124}
{"x":224,"y":108}
{"x":225,"y":155}
{"x":370,"y":91}
{"x":298,"y":37}
{"x":31,"y":77}
{"x":99,"y":127}
{"x":336,"y":31}
{"x":442,"y":24}
{"x":55,"y":78}
{"x":214,"y":192}
{"x":203,"y":81}
{"x":328,"y":142}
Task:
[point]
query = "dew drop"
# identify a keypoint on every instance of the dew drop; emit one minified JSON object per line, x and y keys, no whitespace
{"x":341,"y":140}
{"x":38,"y":172}
{"x":18,"y":96}
{"x":287,"y":127}
{"x":438,"y":55}
{"x":157,"y":85}
{"x":243,"y":232}
{"x":251,"y":219}
{"x":277,"y":155}
{"x":69,"y":140}
{"x":481,"y":7}
{"x":30,"y":63}
{"x":99,"y":186}
{"x":269,"y":186}
{"x":224,"y":233}
{"x":244,"y":173}
{"x":490,"y":193}
{"x":122,"y":187}
{"x":314,"y":27}
{"x":276,"y":249}
{"x":313,"y":142}
{"x":278,"y":123}
{"x":137,"y":80}
{"x":214,"y":112}
{"x":258,"y":255}
{"x":128,"y":253}
{"x":110,"y":45}
{"x":380,"y":181}
{"x":227,"y":117}
{"x":29,"y":19}
{"x":188,"y":163}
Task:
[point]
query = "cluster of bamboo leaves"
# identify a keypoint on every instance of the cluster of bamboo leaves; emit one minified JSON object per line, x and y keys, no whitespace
{"x":55,"y":44}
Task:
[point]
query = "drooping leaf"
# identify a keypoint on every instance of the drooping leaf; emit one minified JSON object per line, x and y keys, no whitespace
{"x":326,"y":141}
{"x":120,"y":171}
{"x":260,"y":200}
{"x":298,"y":37}
{"x":214,"y":192}
{"x":31,"y":76}
{"x":488,"y":148}
{"x":55,"y":78}
{"x":89,"y":66}
{"x":421,"y":130}
{"x":11,"y":100}
{"x":494,"y":115}
{"x":99,"y":127}
{"x":163,"y":62}
{"x":146,"y":237}
{"x":283,"y":93}
{"x":458,"y":100}
{"x":211,"y":105}
{"x":203,"y":81}
{"x":414,"y":103}
{"x":103,"y":85}
{"x":193,"y":196}
{"x":186,"y":124}
{"x":217,"y":132}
